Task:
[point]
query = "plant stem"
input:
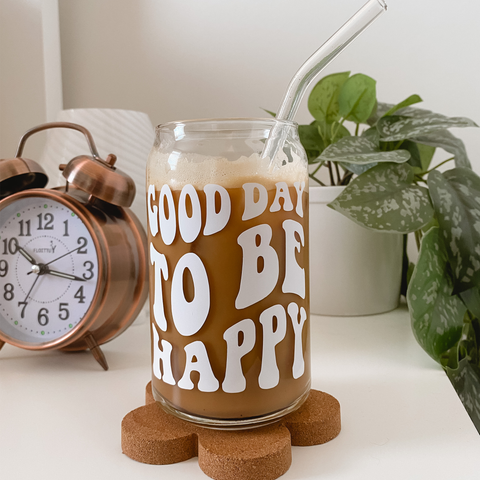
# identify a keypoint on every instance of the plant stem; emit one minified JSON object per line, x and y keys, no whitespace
{"x":330,"y":172}
{"x":439,"y":165}
{"x":320,"y":165}
{"x":340,"y":124}
{"x":357,"y":128}
{"x":316,"y":179}
{"x":337,"y":171}
{"x":398,"y":145}
{"x":418,"y":238}
{"x":419,"y":179}
{"x":322,"y":136}
{"x":346,"y":177}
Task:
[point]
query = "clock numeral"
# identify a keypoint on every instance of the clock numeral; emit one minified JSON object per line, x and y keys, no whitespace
{"x":89,"y":266}
{"x":63,"y":312}
{"x":8,"y":292}
{"x":42,"y":316}
{"x":48,"y":219}
{"x":10,"y":246}
{"x":3,"y":268}
{"x":24,"y":232}
{"x":23,"y":305}
{"x":82,"y":241}
{"x":65,"y":234}
{"x":81,"y":297}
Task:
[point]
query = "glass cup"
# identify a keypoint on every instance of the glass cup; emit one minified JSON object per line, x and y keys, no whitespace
{"x":229,"y":280}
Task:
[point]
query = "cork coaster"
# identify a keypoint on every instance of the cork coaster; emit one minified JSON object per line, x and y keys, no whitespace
{"x":150,"y":435}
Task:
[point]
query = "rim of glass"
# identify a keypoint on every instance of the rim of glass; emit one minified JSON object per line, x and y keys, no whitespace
{"x":227,"y":122}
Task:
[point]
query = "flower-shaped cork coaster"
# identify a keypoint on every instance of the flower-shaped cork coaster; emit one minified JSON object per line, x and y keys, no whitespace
{"x":150,"y":435}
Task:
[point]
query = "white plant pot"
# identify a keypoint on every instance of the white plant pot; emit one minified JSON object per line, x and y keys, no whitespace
{"x":353,"y":270}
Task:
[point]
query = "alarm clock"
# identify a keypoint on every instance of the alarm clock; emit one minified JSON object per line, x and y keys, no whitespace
{"x":73,"y":264}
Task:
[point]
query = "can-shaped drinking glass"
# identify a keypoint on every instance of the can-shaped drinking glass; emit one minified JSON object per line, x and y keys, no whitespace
{"x":229,"y":279}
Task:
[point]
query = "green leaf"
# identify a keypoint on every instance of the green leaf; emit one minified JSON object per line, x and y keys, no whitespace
{"x":426,"y":155}
{"x":437,"y":316}
{"x":411,"y":100}
{"x":357,"y":98}
{"x":273,"y":114}
{"x":417,"y":113}
{"x":311,"y":141}
{"x":471,"y":298}
{"x":356,"y":168}
{"x":456,"y":198}
{"x":448,"y":142}
{"x":385,"y":199}
{"x":383,"y":108}
{"x":373,"y":135}
{"x":421,"y":155}
{"x":310,"y":138}
{"x":394,"y":127}
{"x":466,"y":381}
{"x":323,"y":99}
{"x":332,"y":132}
{"x":360,"y":151}
{"x":339,"y":131}
{"x":463,"y":370}
{"x":379,"y":112}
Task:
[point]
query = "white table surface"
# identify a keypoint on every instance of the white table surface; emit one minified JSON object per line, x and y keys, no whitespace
{"x":60,"y":414}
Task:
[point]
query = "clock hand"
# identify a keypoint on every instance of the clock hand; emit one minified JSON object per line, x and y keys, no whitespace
{"x":64,"y":255}
{"x":64,"y":275}
{"x":27,"y":255}
{"x":29,"y":292}
{"x":58,"y":258}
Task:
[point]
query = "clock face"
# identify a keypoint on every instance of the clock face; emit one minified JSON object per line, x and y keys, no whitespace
{"x":48,"y":269}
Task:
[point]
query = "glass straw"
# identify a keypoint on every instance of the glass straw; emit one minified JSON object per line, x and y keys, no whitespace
{"x":313,"y":66}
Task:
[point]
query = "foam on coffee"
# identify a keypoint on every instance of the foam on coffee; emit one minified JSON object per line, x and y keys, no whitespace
{"x":199,"y":170}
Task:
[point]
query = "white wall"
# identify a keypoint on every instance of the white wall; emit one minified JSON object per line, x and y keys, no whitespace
{"x":204,"y":58}
{"x":30,"y":74}
{"x":178,"y":59}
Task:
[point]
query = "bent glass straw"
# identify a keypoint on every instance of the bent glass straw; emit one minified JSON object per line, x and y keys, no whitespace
{"x":313,"y":66}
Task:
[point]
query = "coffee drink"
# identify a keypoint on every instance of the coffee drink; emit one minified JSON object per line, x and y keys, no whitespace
{"x":229,"y":290}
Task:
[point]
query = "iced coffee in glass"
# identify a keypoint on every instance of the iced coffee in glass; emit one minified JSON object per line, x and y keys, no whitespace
{"x":229,"y":282}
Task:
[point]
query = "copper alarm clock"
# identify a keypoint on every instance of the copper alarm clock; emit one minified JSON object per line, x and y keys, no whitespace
{"x":73,"y":267}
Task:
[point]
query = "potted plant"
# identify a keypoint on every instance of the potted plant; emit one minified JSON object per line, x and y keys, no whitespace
{"x":354,"y":271}
{"x":392,"y":188}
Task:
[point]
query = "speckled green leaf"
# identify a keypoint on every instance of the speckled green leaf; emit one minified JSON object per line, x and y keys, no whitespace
{"x":372,"y":135}
{"x":418,"y":113}
{"x":323,"y":100}
{"x":456,"y":197}
{"x":385,"y":199}
{"x":361,"y":151}
{"x":466,"y":381}
{"x":437,"y":316}
{"x":394,"y":127}
{"x":448,"y":142}
{"x":411,"y":100}
{"x":464,"y":371}
{"x":358,"y":98}
{"x":378,"y":112}
{"x":357,"y":169}
{"x":471,"y":298}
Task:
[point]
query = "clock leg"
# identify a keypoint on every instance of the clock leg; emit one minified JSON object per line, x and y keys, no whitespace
{"x":96,"y":351}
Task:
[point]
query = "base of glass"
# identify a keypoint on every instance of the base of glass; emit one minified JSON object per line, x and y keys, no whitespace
{"x":230,"y":424}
